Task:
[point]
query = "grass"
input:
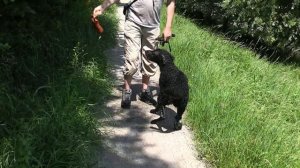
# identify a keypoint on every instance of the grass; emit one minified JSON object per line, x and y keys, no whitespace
{"x":48,"y":120}
{"x":244,"y":111}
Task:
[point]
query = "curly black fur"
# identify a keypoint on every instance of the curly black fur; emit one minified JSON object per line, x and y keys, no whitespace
{"x":173,"y":85}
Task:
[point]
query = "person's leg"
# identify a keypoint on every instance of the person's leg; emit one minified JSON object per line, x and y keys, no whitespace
{"x":149,"y":42}
{"x":132,"y":47}
{"x":127,"y":82}
{"x":132,"y":52}
{"x":145,"y":82}
{"x":148,"y":68}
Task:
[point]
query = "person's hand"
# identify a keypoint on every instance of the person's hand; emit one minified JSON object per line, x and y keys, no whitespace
{"x":167,"y":34}
{"x":98,"y":11}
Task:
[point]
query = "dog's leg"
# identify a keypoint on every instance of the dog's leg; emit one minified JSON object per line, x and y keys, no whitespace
{"x":181,"y":105}
{"x":159,"y":110}
{"x":160,"y":107}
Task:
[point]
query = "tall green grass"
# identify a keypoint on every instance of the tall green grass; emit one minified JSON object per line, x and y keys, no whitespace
{"x":244,"y":111}
{"x":48,"y":120}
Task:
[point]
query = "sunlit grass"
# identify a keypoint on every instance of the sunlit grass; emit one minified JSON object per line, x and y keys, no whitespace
{"x":244,"y":111}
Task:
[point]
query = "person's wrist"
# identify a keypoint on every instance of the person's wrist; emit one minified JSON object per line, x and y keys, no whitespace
{"x":168,"y":27}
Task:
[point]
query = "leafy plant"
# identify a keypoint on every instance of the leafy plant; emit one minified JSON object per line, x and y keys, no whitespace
{"x":274,"y":22}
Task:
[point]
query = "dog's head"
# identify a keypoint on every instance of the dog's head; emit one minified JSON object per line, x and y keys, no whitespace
{"x":159,"y":56}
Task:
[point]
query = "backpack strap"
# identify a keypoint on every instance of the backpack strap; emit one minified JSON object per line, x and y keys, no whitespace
{"x":127,"y":6}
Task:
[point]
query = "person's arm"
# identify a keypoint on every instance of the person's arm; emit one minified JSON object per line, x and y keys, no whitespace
{"x":99,"y":10}
{"x":170,"y":15}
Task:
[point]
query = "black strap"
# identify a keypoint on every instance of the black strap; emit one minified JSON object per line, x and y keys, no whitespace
{"x":127,"y":6}
{"x":162,"y":41}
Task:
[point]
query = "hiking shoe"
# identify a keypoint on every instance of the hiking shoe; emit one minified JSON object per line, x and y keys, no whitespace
{"x":126,"y":98}
{"x":147,"y":97}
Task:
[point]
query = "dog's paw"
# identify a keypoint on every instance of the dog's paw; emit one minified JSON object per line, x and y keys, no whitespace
{"x":177,"y":125}
{"x":153,"y":111}
{"x":157,"y":120}
{"x":159,"y":111}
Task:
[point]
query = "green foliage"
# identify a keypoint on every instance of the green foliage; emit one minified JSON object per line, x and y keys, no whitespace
{"x":52,"y":71}
{"x":276,"y":22}
{"x":243,"y":110}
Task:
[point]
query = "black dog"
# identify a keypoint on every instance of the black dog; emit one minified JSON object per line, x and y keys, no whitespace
{"x":173,"y":85}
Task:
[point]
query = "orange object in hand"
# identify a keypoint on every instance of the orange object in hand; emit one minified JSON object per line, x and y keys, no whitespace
{"x":97,"y":25}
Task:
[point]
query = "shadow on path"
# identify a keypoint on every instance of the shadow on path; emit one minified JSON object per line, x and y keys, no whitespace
{"x":130,"y":140}
{"x":125,"y":131}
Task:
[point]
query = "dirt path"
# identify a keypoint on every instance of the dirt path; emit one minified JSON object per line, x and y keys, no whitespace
{"x":131,"y":141}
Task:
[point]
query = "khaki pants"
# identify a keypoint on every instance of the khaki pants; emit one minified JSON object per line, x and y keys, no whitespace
{"x":139,"y":39}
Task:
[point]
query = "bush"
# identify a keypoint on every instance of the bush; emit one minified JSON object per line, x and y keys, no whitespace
{"x":275,"y":22}
{"x":48,"y":53}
